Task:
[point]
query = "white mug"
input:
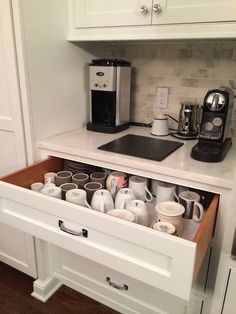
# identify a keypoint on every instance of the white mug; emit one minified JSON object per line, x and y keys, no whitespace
{"x":139,"y":187}
{"x":165,"y":192}
{"x":171,"y":212}
{"x":77,"y":196}
{"x":122,"y":197}
{"x":36,"y":186}
{"x":139,"y":208}
{"x":122,"y":214}
{"x":193,"y":209}
{"x":53,"y":191}
{"x":102,"y":201}
{"x":49,"y":177}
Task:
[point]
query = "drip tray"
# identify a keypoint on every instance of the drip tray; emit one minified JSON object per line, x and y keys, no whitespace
{"x":142,"y":146}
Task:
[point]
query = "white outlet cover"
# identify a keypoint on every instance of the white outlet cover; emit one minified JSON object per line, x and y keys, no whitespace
{"x":162,"y":97}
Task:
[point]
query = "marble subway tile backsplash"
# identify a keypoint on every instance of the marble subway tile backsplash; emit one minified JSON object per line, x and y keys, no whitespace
{"x":188,"y":68}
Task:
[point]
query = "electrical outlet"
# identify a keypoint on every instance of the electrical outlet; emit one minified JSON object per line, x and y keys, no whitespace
{"x":162,"y":97}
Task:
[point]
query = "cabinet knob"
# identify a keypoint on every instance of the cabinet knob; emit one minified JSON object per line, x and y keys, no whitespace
{"x":143,"y":9}
{"x":157,"y":8}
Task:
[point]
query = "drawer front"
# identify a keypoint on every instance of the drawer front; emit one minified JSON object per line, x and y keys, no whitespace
{"x":139,"y":252}
{"x":132,"y":296}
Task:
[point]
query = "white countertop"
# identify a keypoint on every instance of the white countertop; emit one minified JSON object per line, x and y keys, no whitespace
{"x":83,"y":144}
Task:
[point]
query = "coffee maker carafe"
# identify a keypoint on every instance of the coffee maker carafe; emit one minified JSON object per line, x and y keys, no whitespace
{"x":215,"y":129}
{"x":109,"y":95}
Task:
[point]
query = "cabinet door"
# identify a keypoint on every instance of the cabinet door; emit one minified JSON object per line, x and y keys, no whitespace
{"x":93,"y":13}
{"x":192,"y":11}
{"x":230,"y":300}
{"x":13,"y":153}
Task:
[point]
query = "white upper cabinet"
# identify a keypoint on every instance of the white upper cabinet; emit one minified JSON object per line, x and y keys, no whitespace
{"x":151,"y":19}
{"x":93,"y":13}
{"x":192,"y":11}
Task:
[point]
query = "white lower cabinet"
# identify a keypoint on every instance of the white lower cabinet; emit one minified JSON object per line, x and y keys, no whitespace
{"x":229,"y":306}
{"x":115,"y":289}
{"x":155,"y":271}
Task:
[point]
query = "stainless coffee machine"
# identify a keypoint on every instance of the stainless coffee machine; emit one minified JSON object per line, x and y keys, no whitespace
{"x":188,"y":121}
{"x":109,"y":95}
{"x":215,"y":128}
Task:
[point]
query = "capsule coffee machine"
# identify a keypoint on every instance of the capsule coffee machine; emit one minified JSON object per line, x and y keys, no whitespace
{"x":215,"y":128}
{"x":109,"y":95}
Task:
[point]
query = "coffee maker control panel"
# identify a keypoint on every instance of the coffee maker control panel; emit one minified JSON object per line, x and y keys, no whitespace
{"x":212,"y":126}
{"x":102,"y":78}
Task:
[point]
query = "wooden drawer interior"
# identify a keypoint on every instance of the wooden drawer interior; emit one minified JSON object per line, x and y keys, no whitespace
{"x":34,"y":173}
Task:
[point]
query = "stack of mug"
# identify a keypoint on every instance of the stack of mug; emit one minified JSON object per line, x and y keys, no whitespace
{"x":173,"y":204}
{"x":124,"y":197}
{"x":113,"y":193}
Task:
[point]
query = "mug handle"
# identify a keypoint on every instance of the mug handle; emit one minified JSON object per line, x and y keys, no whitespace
{"x":148,"y":196}
{"x":198,"y":207}
{"x":176,"y":196}
{"x":87,"y":204}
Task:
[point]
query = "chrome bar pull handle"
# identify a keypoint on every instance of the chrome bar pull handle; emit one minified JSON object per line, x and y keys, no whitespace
{"x":83,"y":233}
{"x":157,"y":8}
{"x":116,"y":286}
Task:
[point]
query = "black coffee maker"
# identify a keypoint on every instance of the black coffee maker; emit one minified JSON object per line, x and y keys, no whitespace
{"x":215,"y":128}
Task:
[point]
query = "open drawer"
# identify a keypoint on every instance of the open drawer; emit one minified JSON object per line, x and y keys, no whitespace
{"x":165,"y":262}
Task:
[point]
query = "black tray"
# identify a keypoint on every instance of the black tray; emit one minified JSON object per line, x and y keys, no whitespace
{"x":142,"y":146}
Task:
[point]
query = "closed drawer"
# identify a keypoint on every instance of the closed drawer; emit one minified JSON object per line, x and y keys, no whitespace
{"x":165,"y":262}
{"x":117,"y":290}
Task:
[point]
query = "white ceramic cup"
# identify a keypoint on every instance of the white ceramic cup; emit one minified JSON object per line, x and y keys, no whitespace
{"x":49,"y":177}
{"x":165,"y":192}
{"x":53,"y":191}
{"x":191,"y":202}
{"x":122,"y":197}
{"x":139,"y":209}
{"x":36,"y":186}
{"x":102,"y":201}
{"x":77,"y":196}
{"x":171,"y":212}
{"x":139,"y":187}
{"x":122,"y":214}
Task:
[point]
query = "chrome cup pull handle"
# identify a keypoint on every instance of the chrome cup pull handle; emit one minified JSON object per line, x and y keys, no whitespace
{"x":143,"y":9}
{"x":83,"y":233}
{"x":116,"y":286}
{"x":157,"y":8}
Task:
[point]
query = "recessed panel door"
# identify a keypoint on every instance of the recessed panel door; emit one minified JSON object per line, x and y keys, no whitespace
{"x":93,"y":13}
{"x":192,"y":11}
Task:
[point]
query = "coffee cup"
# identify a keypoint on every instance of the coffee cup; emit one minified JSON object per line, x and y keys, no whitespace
{"x":49,"y":177}
{"x":122,"y":197}
{"x":116,"y":180}
{"x":66,"y":187}
{"x":63,"y":177}
{"x":36,"y":186}
{"x":122,"y":214}
{"x":139,"y":187}
{"x":139,"y":209}
{"x":91,"y":188}
{"x":98,"y":177}
{"x":171,"y":212}
{"x":80,"y":179}
{"x":191,"y":202}
{"x":165,"y":227}
{"x":77,"y":196}
{"x":53,"y":191}
{"x":102,"y":201}
{"x":165,"y":192}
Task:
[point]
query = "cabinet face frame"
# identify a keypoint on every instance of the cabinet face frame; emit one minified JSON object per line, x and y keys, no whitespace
{"x":160,"y":264}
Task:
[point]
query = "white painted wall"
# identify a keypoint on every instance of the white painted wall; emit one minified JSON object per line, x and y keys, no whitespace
{"x":56,"y":69}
